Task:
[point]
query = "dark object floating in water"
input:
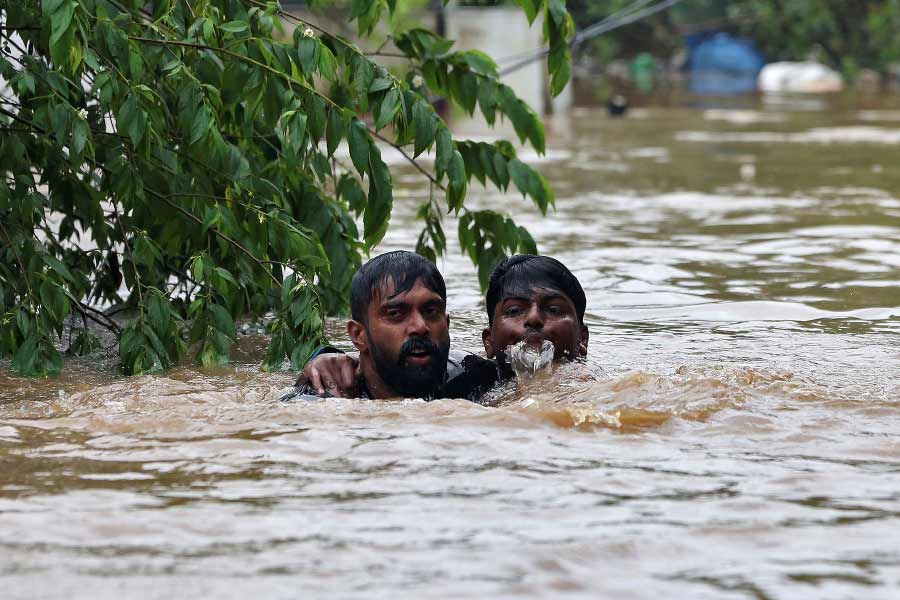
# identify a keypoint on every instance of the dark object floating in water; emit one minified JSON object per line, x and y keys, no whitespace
{"x":617,"y":106}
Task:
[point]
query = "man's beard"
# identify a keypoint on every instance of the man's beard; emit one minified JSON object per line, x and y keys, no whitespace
{"x":413,"y":381}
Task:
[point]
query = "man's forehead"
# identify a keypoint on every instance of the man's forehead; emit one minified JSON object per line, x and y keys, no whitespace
{"x":532,"y":292}
{"x":386,"y":290}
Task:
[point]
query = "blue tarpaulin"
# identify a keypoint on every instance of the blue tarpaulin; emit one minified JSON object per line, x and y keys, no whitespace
{"x":719,"y":63}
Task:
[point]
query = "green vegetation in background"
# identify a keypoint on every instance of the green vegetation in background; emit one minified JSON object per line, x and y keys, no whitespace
{"x":181,"y":152}
{"x":847,"y":36}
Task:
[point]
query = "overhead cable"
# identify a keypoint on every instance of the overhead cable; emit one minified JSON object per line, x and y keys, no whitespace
{"x":630,"y":14}
{"x":614,"y":17}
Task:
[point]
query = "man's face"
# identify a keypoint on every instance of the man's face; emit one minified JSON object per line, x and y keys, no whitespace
{"x":543,"y":314}
{"x":409,"y":338}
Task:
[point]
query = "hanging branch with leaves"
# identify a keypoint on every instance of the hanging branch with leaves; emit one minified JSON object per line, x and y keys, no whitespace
{"x":190,"y":149}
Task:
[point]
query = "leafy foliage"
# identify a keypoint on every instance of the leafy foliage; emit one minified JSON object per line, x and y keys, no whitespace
{"x":847,"y":39}
{"x":177,"y":158}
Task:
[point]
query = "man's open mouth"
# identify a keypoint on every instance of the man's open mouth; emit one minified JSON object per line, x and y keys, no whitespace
{"x":418,"y":357}
{"x":535,"y":339}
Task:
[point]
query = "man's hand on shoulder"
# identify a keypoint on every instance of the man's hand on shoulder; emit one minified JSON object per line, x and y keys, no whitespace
{"x":333,"y":374}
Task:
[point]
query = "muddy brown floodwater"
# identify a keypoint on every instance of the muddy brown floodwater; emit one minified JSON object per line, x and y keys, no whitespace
{"x":736,"y":433}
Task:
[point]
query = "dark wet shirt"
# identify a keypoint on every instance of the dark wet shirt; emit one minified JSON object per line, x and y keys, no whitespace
{"x":468,"y":376}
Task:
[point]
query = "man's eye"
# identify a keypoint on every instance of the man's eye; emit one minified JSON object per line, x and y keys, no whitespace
{"x":512,"y":311}
{"x":554,"y":310}
{"x":394,"y":313}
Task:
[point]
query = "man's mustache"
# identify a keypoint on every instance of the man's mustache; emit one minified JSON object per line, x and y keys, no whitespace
{"x":417,"y":345}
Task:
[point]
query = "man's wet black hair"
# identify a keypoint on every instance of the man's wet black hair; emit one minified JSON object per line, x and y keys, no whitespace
{"x":521,"y":274}
{"x":403,"y":268}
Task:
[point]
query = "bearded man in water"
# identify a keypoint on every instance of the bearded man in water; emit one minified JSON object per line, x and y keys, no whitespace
{"x":398,"y":304}
{"x":530,"y":299}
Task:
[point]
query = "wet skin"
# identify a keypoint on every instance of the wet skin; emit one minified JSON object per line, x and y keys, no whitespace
{"x":546,"y":314}
{"x":415,"y":318}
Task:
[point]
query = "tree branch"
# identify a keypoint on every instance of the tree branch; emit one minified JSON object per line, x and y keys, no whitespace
{"x":408,"y":157}
{"x":225,"y":237}
{"x":84,"y":309}
{"x":290,"y":82}
{"x":17,"y":255}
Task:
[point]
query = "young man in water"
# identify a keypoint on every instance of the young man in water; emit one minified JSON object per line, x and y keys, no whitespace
{"x":530,"y":298}
{"x":534,"y":299}
{"x":398,"y":304}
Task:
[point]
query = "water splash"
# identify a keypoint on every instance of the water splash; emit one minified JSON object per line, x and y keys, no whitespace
{"x":526,"y":360}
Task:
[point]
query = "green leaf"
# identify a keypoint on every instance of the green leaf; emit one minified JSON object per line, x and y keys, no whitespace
{"x":226,"y":276}
{"x":132,"y":120}
{"x":520,"y":175}
{"x":422,"y":43}
{"x":426,"y":125}
{"x":558,"y":60}
{"x":349,"y":190}
{"x":358,"y":139}
{"x":222,"y":320}
{"x":367,"y":13}
{"x":472,"y":160}
{"x":531,"y":8}
{"x":24,"y":322}
{"x":54,"y":300}
{"x":480,"y":62}
{"x":59,"y":267}
{"x":157,"y":311}
{"x":363,"y":75}
{"x":80,"y":135}
{"x":327,"y":62}
{"x":60,"y":20}
{"x":37,"y":357}
{"x":456,"y":188}
{"x":380,"y":201}
{"x":464,"y":87}
{"x":444,"y":151}
{"x":59,"y":120}
{"x":335,"y":130}
{"x":379,"y":84}
{"x":557,"y":11}
{"x":25,"y":359}
{"x":308,"y":49}
{"x":234,"y":26}
{"x":530,"y":182}
{"x":315,"y":117}
{"x":389,"y":107}
{"x":135,"y":65}
{"x":502,"y":171}
{"x":146,"y":252}
{"x":526,"y":242}
{"x":525,"y":121}
{"x":292,"y":129}
{"x":211,"y":219}
{"x":48,"y":7}
{"x":560,"y":77}
{"x":84,"y":343}
{"x":302,"y":352}
{"x":197,"y":269}
{"x":487,"y":99}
